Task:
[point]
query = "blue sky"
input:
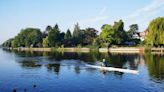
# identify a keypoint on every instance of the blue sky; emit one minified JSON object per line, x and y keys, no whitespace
{"x":18,"y":14}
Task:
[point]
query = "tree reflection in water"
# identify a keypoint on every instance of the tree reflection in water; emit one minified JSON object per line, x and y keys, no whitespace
{"x":154,"y":63}
{"x":54,"y":68}
{"x":29,"y":64}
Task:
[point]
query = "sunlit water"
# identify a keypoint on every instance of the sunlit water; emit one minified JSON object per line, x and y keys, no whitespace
{"x":66,"y":72}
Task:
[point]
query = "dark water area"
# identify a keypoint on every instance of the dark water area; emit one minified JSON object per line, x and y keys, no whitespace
{"x":66,"y":72}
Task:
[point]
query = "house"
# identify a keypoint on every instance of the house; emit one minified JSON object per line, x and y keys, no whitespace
{"x":137,"y":35}
{"x":142,"y":35}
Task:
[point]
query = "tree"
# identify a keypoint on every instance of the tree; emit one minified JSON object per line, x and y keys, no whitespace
{"x":78,"y":35}
{"x":47,"y":30}
{"x":155,"y":32}
{"x":45,"y":42}
{"x":15,"y":42}
{"x":89,"y":35}
{"x":107,"y":34}
{"x":68,"y":35}
{"x":67,"y":38}
{"x":113,"y":34}
{"x":132,"y":30}
{"x":8,"y":43}
{"x":119,"y":33}
{"x":61,"y":37}
{"x":54,"y":36}
{"x":28,"y":37}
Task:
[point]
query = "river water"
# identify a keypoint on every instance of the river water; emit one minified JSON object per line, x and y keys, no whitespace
{"x":66,"y":72}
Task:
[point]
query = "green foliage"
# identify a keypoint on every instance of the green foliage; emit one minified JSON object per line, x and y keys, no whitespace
{"x":78,"y":35}
{"x":135,"y":40}
{"x":79,"y":46}
{"x":45,"y":42}
{"x":77,"y":31}
{"x":68,"y":35}
{"x":113,"y":34}
{"x":119,"y":33}
{"x":54,"y":36}
{"x":28,"y":37}
{"x":68,"y":38}
{"x":89,"y":35}
{"x":155,"y":35}
{"x":133,"y":29}
{"x":61,"y":36}
{"x":8,"y":43}
{"x":47,"y":30}
{"x":107,"y":34}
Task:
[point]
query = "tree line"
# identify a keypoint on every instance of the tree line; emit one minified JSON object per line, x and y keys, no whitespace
{"x":110,"y":35}
{"x":54,"y":37}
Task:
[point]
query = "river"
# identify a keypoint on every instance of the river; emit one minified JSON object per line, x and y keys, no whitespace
{"x":66,"y":72}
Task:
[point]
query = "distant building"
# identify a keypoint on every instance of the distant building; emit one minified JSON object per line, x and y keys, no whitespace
{"x":142,"y":35}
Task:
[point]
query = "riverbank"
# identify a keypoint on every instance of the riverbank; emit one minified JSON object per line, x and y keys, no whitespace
{"x":101,"y":50}
{"x":135,"y":50}
{"x":53,"y":49}
{"x":123,"y":50}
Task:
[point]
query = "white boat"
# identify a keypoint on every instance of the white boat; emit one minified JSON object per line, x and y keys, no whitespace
{"x":113,"y":69}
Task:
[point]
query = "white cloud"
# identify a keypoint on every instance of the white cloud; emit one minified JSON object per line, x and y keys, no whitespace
{"x":144,"y":15}
{"x":99,"y":17}
{"x":93,"y":20}
{"x":103,"y":10}
{"x":149,"y":9}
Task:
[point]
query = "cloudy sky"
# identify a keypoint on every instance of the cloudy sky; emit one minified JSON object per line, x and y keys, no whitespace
{"x":18,"y":14}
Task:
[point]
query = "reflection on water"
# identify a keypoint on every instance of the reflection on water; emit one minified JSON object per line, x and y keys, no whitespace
{"x":54,"y":68}
{"x":151,"y":67}
{"x":54,"y":59}
{"x":28,"y":64}
{"x":155,"y":63}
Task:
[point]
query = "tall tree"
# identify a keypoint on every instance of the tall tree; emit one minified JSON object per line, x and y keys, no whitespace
{"x":132,"y":30}
{"x":119,"y":32}
{"x":107,"y":34}
{"x":68,"y":35}
{"x":62,"y":35}
{"x":54,"y":36}
{"x":48,"y":29}
{"x":155,"y":35}
{"x":68,"y":38}
{"x":45,"y":42}
{"x":78,"y":35}
{"x":113,"y":34}
{"x":89,"y":35}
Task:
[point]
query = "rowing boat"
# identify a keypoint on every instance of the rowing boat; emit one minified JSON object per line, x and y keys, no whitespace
{"x":113,"y":69}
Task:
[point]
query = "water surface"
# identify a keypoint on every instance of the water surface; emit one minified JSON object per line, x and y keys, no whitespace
{"x":66,"y":72}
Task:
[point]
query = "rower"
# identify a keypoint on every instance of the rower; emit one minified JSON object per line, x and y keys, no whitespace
{"x":104,"y":64}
